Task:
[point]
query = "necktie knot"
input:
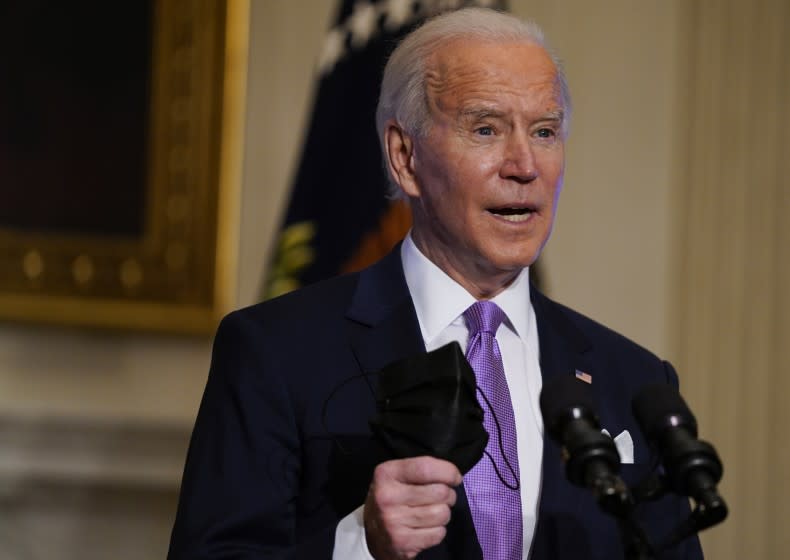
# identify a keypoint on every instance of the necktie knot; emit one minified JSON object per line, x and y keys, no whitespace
{"x":484,"y":316}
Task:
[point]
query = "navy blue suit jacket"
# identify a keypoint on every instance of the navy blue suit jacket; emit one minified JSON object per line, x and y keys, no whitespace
{"x":282,"y":450}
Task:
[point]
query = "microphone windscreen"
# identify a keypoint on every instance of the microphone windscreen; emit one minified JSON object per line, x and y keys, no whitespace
{"x":561,"y":395}
{"x":660,"y":406}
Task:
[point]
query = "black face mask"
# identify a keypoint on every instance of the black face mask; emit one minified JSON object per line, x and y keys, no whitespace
{"x":427,"y":406}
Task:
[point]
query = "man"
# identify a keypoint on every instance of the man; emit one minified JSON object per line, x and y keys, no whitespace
{"x":473,"y":118}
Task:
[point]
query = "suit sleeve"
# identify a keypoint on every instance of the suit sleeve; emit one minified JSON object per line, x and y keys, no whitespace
{"x":242,"y":472}
{"x":671,"y":375}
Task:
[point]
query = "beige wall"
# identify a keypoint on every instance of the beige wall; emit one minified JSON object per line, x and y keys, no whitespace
{"x":610,"y":257}
{"x":733,"y":269}
{"x":285,"y":42}
{"x":607,"y":256}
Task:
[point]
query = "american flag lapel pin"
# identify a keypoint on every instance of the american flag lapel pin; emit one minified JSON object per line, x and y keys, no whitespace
{"x":586,"y":377}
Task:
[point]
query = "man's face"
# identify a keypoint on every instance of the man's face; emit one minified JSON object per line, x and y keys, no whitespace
{"x":485,"y":179}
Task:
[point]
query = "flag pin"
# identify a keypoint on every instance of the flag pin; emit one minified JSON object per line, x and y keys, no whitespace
{"x":586,"y":377}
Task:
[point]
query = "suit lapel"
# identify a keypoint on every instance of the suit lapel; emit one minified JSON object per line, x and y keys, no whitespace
{"x":562,"y":349}
{"x":384,"y":328}
{"x":383,"y":323}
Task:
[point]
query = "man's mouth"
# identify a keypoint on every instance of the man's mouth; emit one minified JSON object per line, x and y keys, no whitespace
{"x":513,"y":213}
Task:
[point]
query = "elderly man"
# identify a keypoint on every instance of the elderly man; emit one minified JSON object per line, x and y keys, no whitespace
{"x":472,"y":118}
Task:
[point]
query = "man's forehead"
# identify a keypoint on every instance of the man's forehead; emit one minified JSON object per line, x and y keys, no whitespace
{"x":456,"y":55}
{"x":468,"y":71}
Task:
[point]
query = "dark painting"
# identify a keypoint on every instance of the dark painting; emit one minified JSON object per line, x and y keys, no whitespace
{"x":118,"y":160}
{"x":74,"y":114}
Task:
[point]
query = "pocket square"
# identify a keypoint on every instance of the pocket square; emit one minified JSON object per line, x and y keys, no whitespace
{"x":624,"y":445}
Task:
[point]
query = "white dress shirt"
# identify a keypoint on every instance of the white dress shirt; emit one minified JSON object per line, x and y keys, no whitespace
{"x":440,"y":302}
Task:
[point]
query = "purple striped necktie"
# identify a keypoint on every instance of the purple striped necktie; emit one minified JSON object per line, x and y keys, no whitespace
{"x":492,"y":486}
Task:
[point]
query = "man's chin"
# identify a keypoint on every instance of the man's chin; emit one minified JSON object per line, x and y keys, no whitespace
{"x":514,"y":262}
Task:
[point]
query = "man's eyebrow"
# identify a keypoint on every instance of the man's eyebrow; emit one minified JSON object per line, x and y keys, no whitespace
{"x":481,"y":112}
{"x":558,"y":116}
{"x":486,"y":112}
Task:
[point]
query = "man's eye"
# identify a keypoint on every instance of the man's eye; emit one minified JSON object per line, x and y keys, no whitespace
{"x":545,"y":133}
{"x":485,"y":131}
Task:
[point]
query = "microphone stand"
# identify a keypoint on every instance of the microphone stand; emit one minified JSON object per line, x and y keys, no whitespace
{"x":592,"y":461}
{"x":615,"y":498}
{"x":635,"y":543}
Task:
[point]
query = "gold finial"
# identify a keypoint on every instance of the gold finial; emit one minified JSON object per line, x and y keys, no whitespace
{"x":33,"y":265}
{"x":131,"y":273}
{"x":82,"y":269}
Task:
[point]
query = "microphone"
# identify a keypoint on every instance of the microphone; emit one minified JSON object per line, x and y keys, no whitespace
{"x":692,"y":466}
{"x":591,"y":458}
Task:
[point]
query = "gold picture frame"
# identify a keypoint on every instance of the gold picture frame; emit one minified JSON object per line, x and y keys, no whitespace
{"x":177,"y":274}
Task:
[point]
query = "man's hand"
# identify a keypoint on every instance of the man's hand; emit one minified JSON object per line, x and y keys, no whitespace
{"x":408,"y":506}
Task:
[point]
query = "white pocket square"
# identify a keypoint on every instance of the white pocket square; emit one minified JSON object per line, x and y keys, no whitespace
{"x":624,"y":445}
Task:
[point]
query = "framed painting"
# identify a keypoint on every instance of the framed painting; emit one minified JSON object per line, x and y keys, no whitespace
{"x":120,"y":147}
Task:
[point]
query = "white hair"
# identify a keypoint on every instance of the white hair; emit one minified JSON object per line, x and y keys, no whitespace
{"x":403,"y":90}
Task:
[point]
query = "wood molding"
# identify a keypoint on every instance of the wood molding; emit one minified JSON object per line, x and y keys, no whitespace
{"x":79,"y":452}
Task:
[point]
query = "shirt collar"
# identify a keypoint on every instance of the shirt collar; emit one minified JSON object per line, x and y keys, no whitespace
{"x":439,"y":300}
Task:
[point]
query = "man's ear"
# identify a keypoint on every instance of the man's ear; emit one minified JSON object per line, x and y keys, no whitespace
{"x":399,"y":146}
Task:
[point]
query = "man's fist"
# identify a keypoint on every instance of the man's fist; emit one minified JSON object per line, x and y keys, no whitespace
{"x":408,"y":506}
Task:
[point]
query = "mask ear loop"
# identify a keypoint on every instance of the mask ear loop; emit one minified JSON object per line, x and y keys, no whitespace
{"x":365,"y":375}
{"x":501,"y":444}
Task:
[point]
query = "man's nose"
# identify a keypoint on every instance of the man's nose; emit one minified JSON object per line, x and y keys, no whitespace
{"x":519,"y":162}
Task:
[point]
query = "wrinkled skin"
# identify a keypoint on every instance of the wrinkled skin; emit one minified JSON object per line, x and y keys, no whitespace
{"x":495,"y":143}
